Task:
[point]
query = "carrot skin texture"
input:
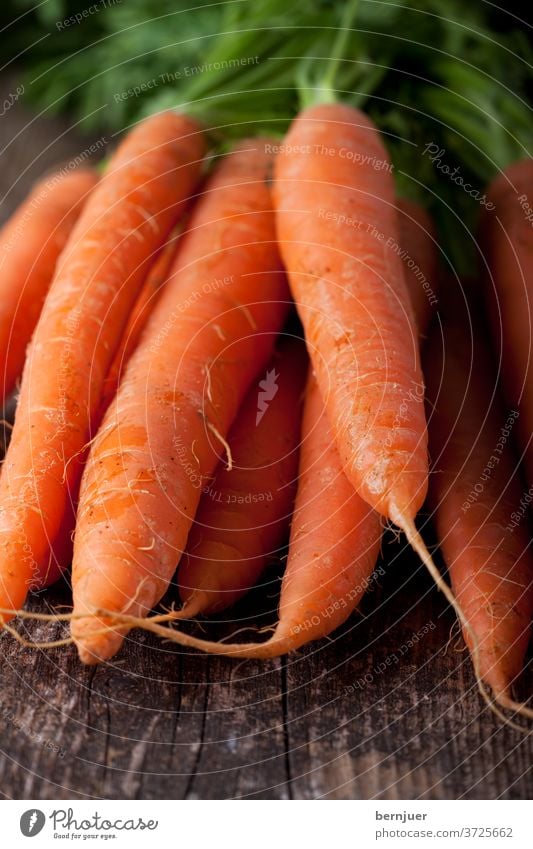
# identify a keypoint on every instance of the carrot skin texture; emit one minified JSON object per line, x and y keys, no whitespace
{"x":97,"y":279}
{"x":420,"y":262}
{"x":507,"y":243}
{"x":326,"y":574}
{"x":139,"y":316}
{"x":348,"y":284}
{"x":30,"y":244}
{"x":334,"y":567}
{"x":335,"y":539}
{"x":244,"y":515}
{"x":490,"y":566}
{"x":335,"y":536}
{"x":59,"y":557}
{"x":211,"y":332}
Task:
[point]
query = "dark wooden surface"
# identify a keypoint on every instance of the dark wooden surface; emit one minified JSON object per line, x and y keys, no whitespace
{"x":158,"y":722}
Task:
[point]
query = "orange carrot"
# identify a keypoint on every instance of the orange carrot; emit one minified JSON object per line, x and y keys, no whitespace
{"x":138,"y":318}
{"x":419,"y":257}
{"x":338,"y":233}
{"x":333,"y":548}
{"x":507,"y":245}
{"x":244,"y":514}
{"x":332,"y":538}
{"x":59,"y":557}
{"x":211,"y":332}
{"x":99,"y":275}
{"x":30,"y":244}
{"x":474,"y":491}
{"x":335,"y":536}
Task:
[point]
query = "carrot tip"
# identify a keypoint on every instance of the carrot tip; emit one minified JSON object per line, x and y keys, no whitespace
{"x":95,"y":640}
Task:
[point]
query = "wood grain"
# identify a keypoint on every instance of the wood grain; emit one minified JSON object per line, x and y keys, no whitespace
{"x":343,"y":719}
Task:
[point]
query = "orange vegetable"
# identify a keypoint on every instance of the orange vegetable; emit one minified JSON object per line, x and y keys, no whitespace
{"x":335,"y":535}
{"x":333,"y":548}
{"x":30,"y":244}
{"x":420,"y":262}
{"x":244,"y":514}
{"x":474,"y":491}
{"x":100,"y":273}
{"x":212,"y":331}
{"x":138,"y":318}
{"x":338,"y":233}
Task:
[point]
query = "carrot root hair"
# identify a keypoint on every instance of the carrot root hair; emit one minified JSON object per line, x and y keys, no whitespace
{"x":496,"y":700}
{"x":160,"y":624}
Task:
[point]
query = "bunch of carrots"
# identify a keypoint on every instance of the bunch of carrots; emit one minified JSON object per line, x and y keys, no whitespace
{"x":213,"y":355}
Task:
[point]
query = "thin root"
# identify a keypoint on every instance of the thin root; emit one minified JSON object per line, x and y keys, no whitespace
{"x":417,"y":544}
{"x":223,"y":442}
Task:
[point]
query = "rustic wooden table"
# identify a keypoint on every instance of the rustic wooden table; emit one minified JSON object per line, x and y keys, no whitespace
{"x":376,"y":712}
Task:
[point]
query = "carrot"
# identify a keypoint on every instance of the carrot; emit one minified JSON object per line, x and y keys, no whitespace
{"x":59,"y":557}
{"x":335,"y":536}
{"x":211,"y":332}
{"x":333,"y":548}
{"x":98,"y":277}
{"x":144,"y":305}
{"x":419,"y":256}
{"x":30,"y":244}
{"x":474,"y":490}
{"x":507,"y":245}
{"x":244,"y":514}
{"x":338,"y":235}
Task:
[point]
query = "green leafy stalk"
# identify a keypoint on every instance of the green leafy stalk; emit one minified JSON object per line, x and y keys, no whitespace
{"x":443,"y":73}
